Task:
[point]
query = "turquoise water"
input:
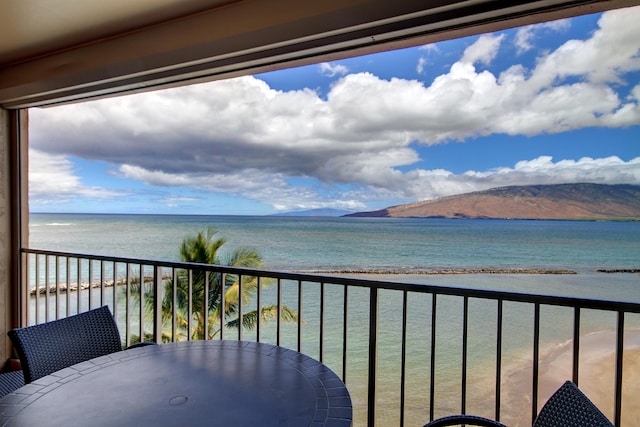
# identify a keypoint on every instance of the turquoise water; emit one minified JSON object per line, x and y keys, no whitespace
{"x":287,"y":243}
{"x":308,"y":243}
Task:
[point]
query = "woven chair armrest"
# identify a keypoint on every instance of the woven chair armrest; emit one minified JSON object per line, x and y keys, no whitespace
{"x":140,"y":344}
{"x":454,"y":420}
{"x":10,"y":382}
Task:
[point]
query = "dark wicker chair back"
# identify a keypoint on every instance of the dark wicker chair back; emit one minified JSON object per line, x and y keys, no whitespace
{"x":10,"y":381}
{"x":49,"y":347}
{"x":567,"y":407}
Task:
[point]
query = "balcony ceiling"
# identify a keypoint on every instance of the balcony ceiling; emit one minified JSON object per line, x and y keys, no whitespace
{"x":56,"y":51}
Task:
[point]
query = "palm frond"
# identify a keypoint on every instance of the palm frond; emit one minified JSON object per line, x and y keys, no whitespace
{"x":267,"y":313}
{"x":204,"y":248}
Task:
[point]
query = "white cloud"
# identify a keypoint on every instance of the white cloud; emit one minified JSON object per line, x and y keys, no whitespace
{"x":52,"y":180}
{"x":484,"y":50}
{"x":331,"y":70}
{"x":423,"y":61}
{"x":253,"y":184}
{"x":525,"y":35}
{"x":542,"y":170}
{"x":611,"y":51}
{"x":423,"y":184}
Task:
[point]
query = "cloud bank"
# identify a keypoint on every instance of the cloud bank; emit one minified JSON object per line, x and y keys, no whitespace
{"x":243,"y":138}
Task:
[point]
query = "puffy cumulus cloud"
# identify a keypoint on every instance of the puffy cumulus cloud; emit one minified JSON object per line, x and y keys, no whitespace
{"x":484,"y":50}
{"x":242,"y":137}
{"x":424,"y":185}
{"x":52,"y":180}
{"x":612,"y":51}
{"x":543,"y":170}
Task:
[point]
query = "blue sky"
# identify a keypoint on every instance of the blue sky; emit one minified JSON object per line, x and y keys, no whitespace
{"x":552,"y":103}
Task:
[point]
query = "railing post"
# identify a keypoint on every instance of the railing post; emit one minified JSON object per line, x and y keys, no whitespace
{"x":258,"y":308}
{"x":321,"y":338}
{"x":114,"y":277}
{"x":223,"y":288}
{"x":90,"y":280}
{"x":299,"y":316}
{"x":25,"y":290}
{"x":279,"y":317}
{"x":78,"y":286}
{"x":102,"y":287}
{"x":432,"y":355}
{"x":465,"y":341}
{"x":157,"y":305}
{"x":373,"y":356}
{"x":617,"y":415}
{"x":37,"y":287}
{"x":68,"y":281}
{"x":536,"y":361}
{"x":141,"y":313}
{"x":46,"y":288}
{"x":57,"y":280}
{"x":499,"y":320}
{"x":345,"y":324}
{"x":174,"y":298}
{"x":205,"y":306}
{"x":576,"y":345}
{"x":240,"y":308}
{"x":128,"y":299}
{"x":403,"y":355}
{"x":190,"y":304}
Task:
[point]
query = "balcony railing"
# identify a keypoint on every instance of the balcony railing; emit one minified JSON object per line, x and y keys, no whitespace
{"x":407,"y":352}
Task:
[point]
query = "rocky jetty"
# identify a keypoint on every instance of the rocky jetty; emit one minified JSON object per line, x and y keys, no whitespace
{"x":390,"y":271}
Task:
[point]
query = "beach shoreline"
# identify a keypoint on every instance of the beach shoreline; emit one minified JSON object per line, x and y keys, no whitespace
{"x":596,"y":376}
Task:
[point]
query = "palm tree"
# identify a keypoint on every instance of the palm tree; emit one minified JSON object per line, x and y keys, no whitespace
{"x":204,"y":249}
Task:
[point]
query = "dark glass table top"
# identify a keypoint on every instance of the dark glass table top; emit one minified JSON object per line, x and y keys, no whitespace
{"x":213,"y":383}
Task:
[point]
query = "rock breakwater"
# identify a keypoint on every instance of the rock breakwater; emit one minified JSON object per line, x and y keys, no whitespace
{"x":443,"y":271}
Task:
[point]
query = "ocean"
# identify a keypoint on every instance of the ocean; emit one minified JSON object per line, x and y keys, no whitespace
{"x":401,"y":250}
{"x":381,"y":245}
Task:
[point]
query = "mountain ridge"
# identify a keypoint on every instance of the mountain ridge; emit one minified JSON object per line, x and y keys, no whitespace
{"x":581,"y":201}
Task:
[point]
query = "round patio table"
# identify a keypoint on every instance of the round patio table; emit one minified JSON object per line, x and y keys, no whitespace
{"x":213,"y":383}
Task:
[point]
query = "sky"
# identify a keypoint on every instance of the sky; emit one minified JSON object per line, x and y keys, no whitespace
{"x":552,"y":103}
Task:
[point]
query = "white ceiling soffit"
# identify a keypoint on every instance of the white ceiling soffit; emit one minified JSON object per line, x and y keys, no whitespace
{"x":250,"y":36}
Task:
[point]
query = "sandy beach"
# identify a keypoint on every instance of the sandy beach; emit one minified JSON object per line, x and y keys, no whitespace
{"x":596,"y":377}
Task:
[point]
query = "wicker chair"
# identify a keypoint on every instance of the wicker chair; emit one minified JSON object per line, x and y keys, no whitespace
{"x":568,"y":407}
{"x":10,"y":381}
{"x":49,"y":347}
